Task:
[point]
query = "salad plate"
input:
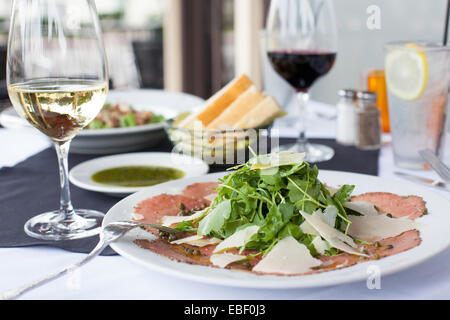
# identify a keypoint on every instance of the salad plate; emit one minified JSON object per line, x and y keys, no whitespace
{"x":107,"y":141}
{"x":433,"y":229}
{"x":115,"y":140}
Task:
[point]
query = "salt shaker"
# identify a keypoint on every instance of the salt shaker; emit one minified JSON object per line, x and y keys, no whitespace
{"x":346,"y":117}
{"x":368,"y":135}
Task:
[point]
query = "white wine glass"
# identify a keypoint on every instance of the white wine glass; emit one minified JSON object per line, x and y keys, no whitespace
{"x":301,"y":42}
{"x":57,"y":80}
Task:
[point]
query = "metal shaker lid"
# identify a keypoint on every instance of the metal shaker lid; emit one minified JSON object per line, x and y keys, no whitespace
{"x":347,"y":93}
{"x":367,"y":96}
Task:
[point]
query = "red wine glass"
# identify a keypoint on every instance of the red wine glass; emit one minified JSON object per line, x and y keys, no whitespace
{"x":301,"y":42}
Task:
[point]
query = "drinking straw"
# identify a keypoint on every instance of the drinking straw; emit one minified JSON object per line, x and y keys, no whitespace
{"x":447,"y":14}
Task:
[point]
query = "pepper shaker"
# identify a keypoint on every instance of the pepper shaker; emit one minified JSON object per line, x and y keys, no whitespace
{"x":368,"y":121}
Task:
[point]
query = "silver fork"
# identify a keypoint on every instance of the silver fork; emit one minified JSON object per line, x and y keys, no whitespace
{"x":434,"y":162}
{"x":109,"y":233}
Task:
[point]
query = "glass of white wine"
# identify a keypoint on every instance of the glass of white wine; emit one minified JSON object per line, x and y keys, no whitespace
{"x":57,"y":80}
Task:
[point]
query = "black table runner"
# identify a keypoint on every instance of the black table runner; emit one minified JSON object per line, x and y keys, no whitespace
{"x":32,"y":187}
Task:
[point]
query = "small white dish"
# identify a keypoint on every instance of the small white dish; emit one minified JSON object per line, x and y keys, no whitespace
{"x":81,"y":175}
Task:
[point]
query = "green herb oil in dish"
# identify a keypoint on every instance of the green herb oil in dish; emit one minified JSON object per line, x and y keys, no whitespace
{"x":136,"y":176}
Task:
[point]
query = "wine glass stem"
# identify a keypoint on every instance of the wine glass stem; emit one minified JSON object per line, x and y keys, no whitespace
{"x":66,"y":208}
{"x":302,"y":101}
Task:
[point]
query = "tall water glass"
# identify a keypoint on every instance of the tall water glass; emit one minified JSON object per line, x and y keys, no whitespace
{"x":417,"y":77}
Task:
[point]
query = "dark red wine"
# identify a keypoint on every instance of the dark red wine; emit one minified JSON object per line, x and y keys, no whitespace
{"x":302,"y":68}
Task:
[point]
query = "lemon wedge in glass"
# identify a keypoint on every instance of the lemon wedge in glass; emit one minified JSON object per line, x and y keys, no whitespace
{"x":406,"y":72}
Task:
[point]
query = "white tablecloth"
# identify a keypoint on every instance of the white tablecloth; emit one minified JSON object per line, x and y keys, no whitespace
{"x":117,"y":278}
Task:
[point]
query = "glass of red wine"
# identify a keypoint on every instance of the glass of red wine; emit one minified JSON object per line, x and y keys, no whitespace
{"x":301,"y":42}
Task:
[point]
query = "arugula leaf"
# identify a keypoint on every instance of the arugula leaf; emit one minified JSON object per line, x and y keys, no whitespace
{"x":339,"y":198}
{"x":156,"y":118}
{"x":286,"y":210}
{"x":96,"y":124}
{"x":291,"y":229}
{"x":215,"y":219}
{"x":344,"y":193}
{"x":270,"y":176}
{"x":272,"y":224}
{"x":186,"y":226}
{"x":128,"y":121}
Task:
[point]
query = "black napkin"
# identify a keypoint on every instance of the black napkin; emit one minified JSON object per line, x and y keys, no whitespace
{"x":32,"y":187}
{"x":346,"y":158}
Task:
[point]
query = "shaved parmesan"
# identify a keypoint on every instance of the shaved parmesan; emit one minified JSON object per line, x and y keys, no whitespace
{"x":276,"y":159}
{"x":317,"y":220}
{"x":320,"y":245}
{"x":167,"y":221}
{"x":237,"y":239}
{"x":361,"y":207}
{"x":197,"y":240}
{"x":210,"y":197}
{"x":329,"y":215}
{"x":372,"y":225}
{"x":308,"y":229}
{"x":378,"y":227}
{"x":332,"y":190}
{"x":288,"y":256}
{"x":334,"y":237}
{"x":137,"y":216}
{"x":338,"y":244}
{"x":224,"y":259}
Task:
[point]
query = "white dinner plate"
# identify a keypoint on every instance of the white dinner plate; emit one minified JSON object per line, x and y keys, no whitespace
{"x":81,"y":174}
{"x":434,"y":230}
{"x":107,"y":141}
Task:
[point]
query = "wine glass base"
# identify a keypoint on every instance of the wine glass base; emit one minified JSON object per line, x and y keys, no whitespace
{"x":314,"y":152}
{"x":50,"y":226}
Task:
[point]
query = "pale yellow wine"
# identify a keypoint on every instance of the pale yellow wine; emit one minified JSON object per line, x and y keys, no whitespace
{"x":58,"y":107}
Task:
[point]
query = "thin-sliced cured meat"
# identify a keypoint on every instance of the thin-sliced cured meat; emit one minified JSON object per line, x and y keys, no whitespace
{"x":173,"y":252}
{"x":200,"y":190}
{"x":153,"y":209}
{"x":398,"y":206}
{"x":380,"y":249}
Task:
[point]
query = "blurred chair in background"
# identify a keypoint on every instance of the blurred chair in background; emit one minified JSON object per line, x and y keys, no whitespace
{"x":149,"y":60}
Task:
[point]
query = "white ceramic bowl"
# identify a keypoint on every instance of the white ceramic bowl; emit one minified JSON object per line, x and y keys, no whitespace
{"x":81,"y":174}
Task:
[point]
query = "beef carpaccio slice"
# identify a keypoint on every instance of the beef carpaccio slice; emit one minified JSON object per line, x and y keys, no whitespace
{"x":200,"y":190}
{"x":398,"y":206}
{"x":151,"y":210}
{"x":383,"y":248}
